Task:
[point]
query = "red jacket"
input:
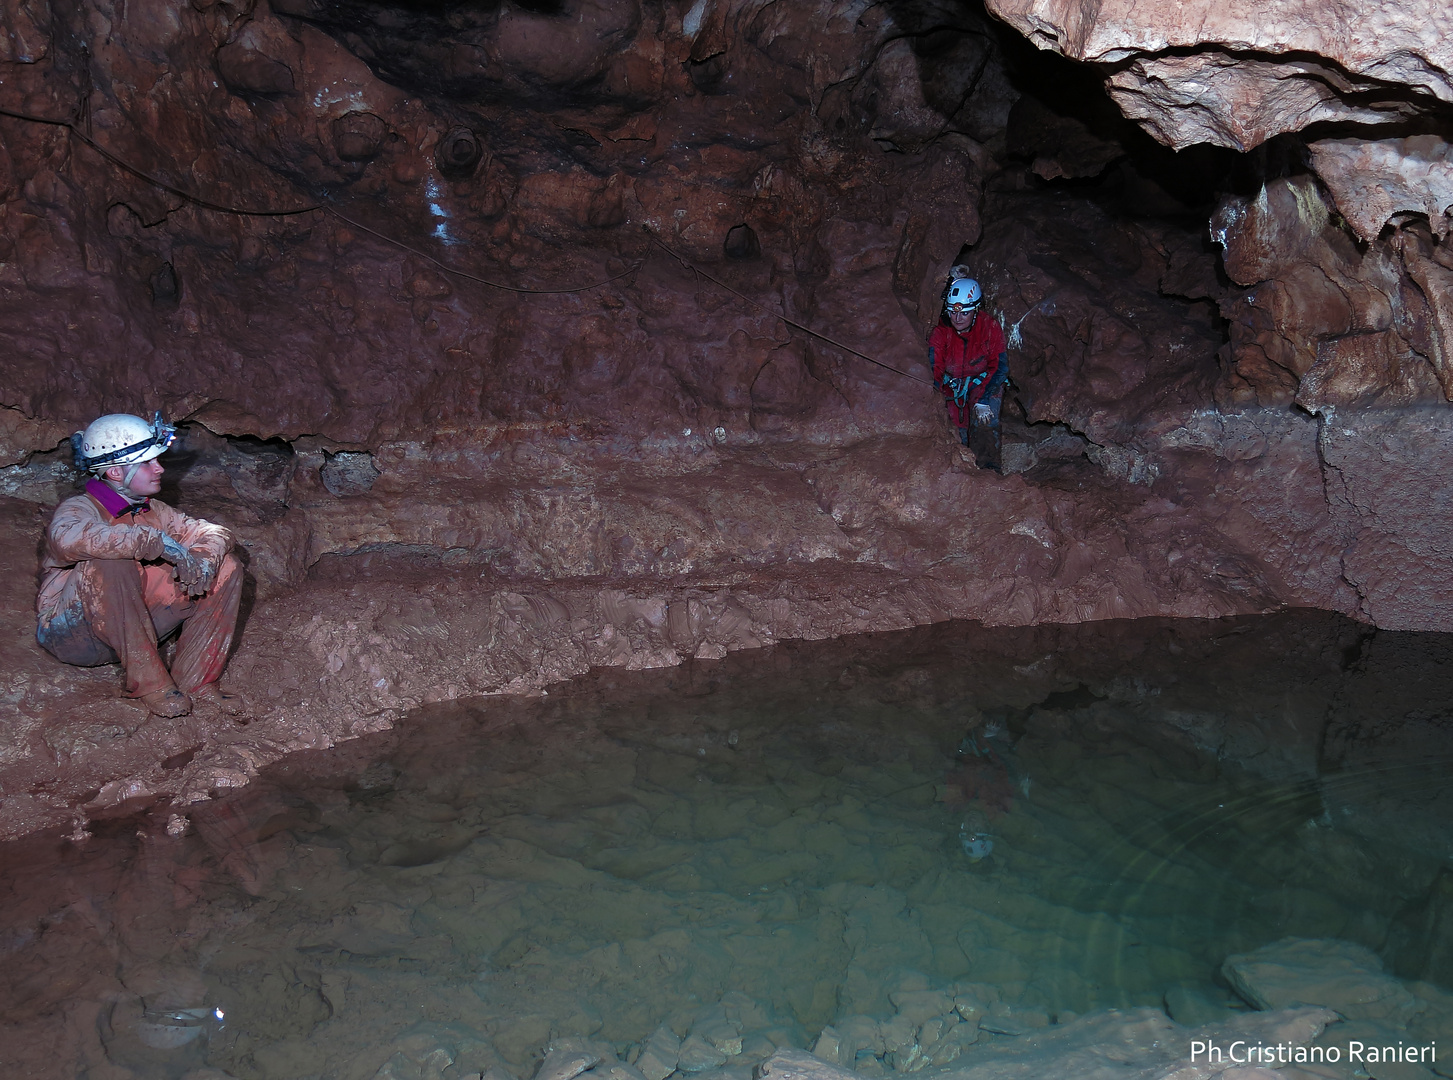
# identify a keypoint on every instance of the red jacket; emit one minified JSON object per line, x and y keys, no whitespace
{"x":972,"y":355}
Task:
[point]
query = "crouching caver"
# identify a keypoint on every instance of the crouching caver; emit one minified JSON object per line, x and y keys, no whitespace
{"x":971,"y":365}
{"x":122,"y":571}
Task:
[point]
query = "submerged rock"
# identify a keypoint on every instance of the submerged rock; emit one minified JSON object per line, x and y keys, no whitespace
{"x":660,"y":1054}
{"x":799,"y":1065}
{"x":616,"y":1070}
{"x":698,"y":1054}
{"x":1190,"y":1007}
{"x":566,"y":1063}
{"x":1335,"y":974}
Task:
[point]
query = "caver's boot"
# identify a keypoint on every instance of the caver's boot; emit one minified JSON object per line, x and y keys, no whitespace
{"x":985,"y":447}
{"x":168,"y":702}
{"x":211,"y":695}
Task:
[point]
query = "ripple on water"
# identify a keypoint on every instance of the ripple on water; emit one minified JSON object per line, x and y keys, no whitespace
{"x":935,"y":842}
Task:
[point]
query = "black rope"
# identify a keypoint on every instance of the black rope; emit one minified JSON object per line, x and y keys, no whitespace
{"x":156,"y":181}
{"x":222,"y":208}
{"x":239,"y":211}
{"x":777,"y":314}
{"x":466,"y":274}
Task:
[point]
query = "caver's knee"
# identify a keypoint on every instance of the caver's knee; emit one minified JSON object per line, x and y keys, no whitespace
{"x":231,"y":567}
{"x":101,"y":584}
{"x":111,"y":573}
{"x":67,"y":635}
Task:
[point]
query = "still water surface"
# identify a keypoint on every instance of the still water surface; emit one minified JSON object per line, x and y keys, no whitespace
{"x":1029,"y":824}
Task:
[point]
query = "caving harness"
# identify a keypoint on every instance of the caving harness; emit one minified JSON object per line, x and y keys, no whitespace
{"x":962,"y":388}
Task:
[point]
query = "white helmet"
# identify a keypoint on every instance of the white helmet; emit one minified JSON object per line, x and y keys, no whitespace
{"x":120,"y":439}
{"x":964,"y":290}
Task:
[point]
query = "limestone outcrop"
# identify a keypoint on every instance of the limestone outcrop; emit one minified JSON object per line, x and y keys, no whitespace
{"x":1236,"y":74}
{"x":1339,"y":240}
{"x":1357,"y":251}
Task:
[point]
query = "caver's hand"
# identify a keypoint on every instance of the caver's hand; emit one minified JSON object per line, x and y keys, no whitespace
{"x":189,"y":569}
{"x":207,"y":577}
{"x":983,"y":412}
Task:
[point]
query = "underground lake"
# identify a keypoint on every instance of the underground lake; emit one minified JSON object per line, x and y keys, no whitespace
{"x":948,"y":850}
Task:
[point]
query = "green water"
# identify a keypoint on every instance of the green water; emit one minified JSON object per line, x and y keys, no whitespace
{"x":786,"y":839}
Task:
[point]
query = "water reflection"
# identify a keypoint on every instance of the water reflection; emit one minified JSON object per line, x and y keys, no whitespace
{"x":931,"y":840}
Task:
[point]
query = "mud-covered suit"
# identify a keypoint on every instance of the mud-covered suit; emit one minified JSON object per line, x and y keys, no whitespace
{"x":972,"y":368}
{"x":104,"y":596}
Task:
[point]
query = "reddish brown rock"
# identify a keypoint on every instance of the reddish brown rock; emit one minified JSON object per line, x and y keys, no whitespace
{"x":1390,"y":465}
{"x":1235,"y":74}
{"x":512,"y":343}
{"x":1374,"y":182}
{"x":1326,"y":323}
{"x":1098,"y":344}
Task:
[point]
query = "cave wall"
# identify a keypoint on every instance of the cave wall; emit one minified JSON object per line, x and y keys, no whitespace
{"x":517,"y":338}
{"x":1338,"y":234}
{"x":1335,"y":282}
{"x":277,"y":222}
{"x":570,"y":134}
{"x":1237,"y":73}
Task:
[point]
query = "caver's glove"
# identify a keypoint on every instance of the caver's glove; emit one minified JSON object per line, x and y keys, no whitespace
{"x":983,"y":412}
{"x":189,"y":569}
{"x":208,"y":576}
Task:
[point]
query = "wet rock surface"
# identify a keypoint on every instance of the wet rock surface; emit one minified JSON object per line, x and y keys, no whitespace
{"x":1338,"y":975}
{"x":313,"y":324}
{"x":1326,"y":322}
{"x":1340,"y":239}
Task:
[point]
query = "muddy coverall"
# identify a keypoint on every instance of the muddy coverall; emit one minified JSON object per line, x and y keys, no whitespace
{"x":104,"y":597}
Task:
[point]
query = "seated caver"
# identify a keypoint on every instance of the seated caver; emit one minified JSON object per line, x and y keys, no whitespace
{"x":122,"y":570}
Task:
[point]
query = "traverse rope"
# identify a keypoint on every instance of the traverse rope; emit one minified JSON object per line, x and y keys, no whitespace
{"x":156,"y":181}
{"x":777,"y":314}
{"x":239,"y":211}
{"x":327,"y":208}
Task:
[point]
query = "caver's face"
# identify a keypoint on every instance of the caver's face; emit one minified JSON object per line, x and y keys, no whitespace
{"x":145,"y":483}
{"x":961,"y":316}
